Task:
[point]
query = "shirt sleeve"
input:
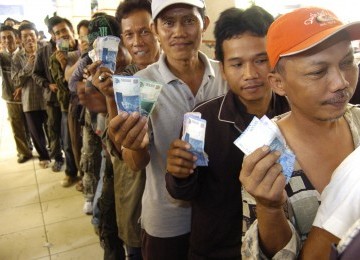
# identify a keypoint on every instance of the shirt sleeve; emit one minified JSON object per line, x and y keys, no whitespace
{"x":78,"y":74}
{"x":19,"y":72}
{"x":338,"y":211}
{"x":182,"y":189}
{"x":251,"y":248}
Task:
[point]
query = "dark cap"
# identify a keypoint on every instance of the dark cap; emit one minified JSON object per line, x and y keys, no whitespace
{"x":102,"y":26}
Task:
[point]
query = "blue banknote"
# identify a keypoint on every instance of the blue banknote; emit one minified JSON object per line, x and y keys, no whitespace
{"x":194,"y":134}
{"x":264,"y":132}
{"x":287,"y":157}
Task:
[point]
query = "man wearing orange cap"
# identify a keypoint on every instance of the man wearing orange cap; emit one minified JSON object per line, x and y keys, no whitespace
{"x":313,"y":65}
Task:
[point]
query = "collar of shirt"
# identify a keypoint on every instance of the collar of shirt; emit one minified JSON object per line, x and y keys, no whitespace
{"x":169,"y":76}
{"x":233,"y":111}
{"x":13,"y":53}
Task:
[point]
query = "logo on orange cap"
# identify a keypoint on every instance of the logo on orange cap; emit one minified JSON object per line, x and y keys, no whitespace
{"x":302,"y":29}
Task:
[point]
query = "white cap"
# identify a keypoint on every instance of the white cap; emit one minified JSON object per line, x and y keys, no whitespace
{"x":158,"y":5}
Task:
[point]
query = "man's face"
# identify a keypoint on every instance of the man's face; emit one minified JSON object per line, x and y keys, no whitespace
{"x":62,"y":31}
{"x":138,"y":38}
{"x":180,"y":28}
{"x":245,"y":67}
{"x":319,"y":85}
{"x":28,"y":40}
{"x":83,"y":39}
{"x":8,"y":40}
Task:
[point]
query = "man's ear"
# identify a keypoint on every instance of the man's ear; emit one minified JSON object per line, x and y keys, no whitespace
{"x":222,"y":71}
{"x":154,"y":30}
{"x":277,"y":83}
{"x":206,"y":23}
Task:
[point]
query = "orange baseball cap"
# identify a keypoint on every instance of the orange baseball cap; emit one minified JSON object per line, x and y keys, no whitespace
{"x":302,"y":29}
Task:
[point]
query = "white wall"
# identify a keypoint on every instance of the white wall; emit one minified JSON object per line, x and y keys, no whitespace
{"x":213,"y":10}
{"x":75,"y":11}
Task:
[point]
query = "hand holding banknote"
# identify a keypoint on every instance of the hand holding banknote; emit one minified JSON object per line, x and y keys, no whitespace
{"x":129,"y":131}
{"x":268,"y":164}
{"x":102,"y":79}
{"x":180,"y":161}
{"x":261,"y":176}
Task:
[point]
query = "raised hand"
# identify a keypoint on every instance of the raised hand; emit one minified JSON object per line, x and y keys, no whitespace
{"x":262,"y":178}
{"x":180,"y":162}
{"x":129,"y":131}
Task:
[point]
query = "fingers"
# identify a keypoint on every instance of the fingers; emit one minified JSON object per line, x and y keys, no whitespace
{"x":129,"y":130}
{"x":266,"y":165}
{"x":102,"y":80}
{"x":252,"y":159}
{"x":134,"y":138}
{"x":32,"y":58}
{"x":262,"y":177}
{"x":92,"y":68}
{"x":180,"y":162}
{"x":80,"y":90}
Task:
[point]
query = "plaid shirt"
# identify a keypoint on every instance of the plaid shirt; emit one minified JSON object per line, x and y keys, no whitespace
{"x":21,"y":74}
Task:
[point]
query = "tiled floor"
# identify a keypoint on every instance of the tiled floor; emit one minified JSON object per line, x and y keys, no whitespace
{"x":38,"y":218}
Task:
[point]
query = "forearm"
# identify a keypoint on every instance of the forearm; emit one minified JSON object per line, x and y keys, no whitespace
{"x":318,"y":244}
{"x":69,"y":70}
{"x":136,"y":160}
{"x":19,"y":73}
{"x":274,"y":230}
{"x":111,"y":107}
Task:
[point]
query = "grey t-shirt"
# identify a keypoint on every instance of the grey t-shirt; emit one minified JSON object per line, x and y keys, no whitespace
{"x":162,"y":215}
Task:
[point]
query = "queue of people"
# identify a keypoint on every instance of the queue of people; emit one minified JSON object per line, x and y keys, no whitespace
{"x":140,"y":181}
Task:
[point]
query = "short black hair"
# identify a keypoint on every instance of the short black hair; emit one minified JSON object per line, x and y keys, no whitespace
{"x":234,"y":22}
{"x":82,"y":23}
{"x":11,"y":19}
{"x":9,"y":28}
{"x":55,"y":20}
{"x":97,"y":14}
{"x":28,"y":26}
{"x":128,"y":6}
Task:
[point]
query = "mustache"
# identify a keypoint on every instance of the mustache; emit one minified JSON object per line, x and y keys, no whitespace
{"x":340,"y":96}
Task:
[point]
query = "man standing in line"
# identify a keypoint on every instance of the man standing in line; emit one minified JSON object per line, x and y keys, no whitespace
{"x":14,"y":107}
{"x":215,"y":190}
{"x":188,"y":78}
{"x":43,"y":78}
{"x":63,"y":31}
{"x":134,"y":17}
{"x":313,"y":65}
{"x":31,"y":94}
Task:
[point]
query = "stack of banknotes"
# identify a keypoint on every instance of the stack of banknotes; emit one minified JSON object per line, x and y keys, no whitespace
{"x":105,"y":49}
{"x":134,"y":94}
{"x":63,"y":45}
{"x":262,"y":132}
{"x":194,"y":128}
